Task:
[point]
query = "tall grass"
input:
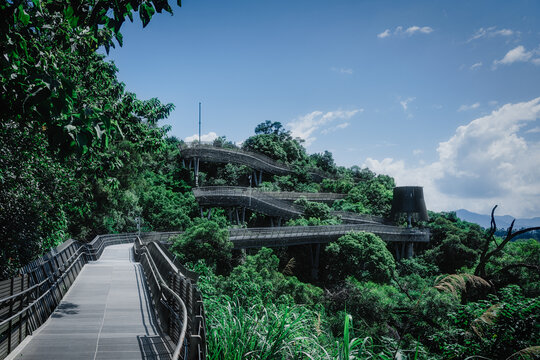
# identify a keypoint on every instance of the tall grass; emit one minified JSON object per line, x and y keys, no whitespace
{"x":262,"y":332}
{"x":286,"y":332}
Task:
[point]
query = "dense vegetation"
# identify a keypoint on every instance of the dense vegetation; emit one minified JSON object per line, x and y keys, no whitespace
{"x":81,"y":156}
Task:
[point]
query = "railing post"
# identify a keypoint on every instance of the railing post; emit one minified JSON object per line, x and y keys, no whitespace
{"x":9,"y":314}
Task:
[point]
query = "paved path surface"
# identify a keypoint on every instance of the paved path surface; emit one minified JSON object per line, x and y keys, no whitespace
{"x":106,"y":314}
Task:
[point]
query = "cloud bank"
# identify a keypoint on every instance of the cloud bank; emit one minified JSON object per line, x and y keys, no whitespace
{"x":485,"y":163}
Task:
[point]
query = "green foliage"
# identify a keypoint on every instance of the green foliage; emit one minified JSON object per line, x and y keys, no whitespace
{"x":362,"y":255}
{"x":502,"y":325}
{"x":454,"y":243}
{"x":451,"y":255}
{"x":271,"y":140}
{"x":258,"y":280}
{"x":324,"y":161}
{"x":372,"y":195}
{"x":508,"y":267}
{"x":261,"y":331}
{"x":206,"y":239}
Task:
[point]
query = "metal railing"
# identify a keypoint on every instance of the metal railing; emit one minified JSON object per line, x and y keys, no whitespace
{"x":176,"y":300}
{"x":323,"y":197}
{"x":298,"y":235}
{"x":27,"y":301}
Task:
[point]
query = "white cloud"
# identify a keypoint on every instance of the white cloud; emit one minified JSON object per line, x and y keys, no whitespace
{"x":342,"y":70}
{"x":305,"y":126}
{"x":410,"y":31}
{"x":414,"y":29}
{"x":535,"y":130}
{"x":405,"y":103}
{"x":486,"y":162}
{"x":491,"y":32}
{"x":469,"y":107}
{"x":476,"y":66}
{"x":417,"y":152}
{"x":384,"y":34}
{"x":518,"y":54}
{"x":211,"y":136}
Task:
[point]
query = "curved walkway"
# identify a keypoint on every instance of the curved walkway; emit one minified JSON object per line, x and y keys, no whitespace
{"x":269,"y":204}
{"x":254,"y":160}
{"x":301,"y":235}
{"x":106,"y":314}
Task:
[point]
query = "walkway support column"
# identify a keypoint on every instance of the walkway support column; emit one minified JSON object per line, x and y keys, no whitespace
{"x":410,"y":250}
{"x":315,"y":250}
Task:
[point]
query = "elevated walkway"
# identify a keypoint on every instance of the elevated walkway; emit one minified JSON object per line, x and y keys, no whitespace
{"x":121,"y":296}
{"x":302,"y":235}
{"x":272,"y":203}
{"x":107,"y":314}
{"x":209,"y":153}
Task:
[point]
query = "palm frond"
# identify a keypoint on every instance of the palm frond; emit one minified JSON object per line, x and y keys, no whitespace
{"x":529,"y":353}
{"x":288,"y":269}
{"x":459,"y":283}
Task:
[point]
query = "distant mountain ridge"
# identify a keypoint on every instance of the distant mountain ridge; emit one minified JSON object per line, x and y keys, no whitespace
{"x":503,"y":222}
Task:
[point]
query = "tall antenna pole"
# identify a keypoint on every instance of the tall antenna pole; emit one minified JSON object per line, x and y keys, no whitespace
{"x":199,"y":122}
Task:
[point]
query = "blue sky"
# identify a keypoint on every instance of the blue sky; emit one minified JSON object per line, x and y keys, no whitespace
{"x":439,"y":94}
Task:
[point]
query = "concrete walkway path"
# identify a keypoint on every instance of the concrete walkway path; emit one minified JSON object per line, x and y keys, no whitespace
{"x":106,"y":314}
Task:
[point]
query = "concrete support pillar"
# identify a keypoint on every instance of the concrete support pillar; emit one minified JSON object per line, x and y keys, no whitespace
{"x":237,"y":216}
{"x":260,"y":177}
{"x":209,"y":213}
{"x":244,"y":215}
{"x":254,"y":177}
{"x":201,"y":210}
{"x":315,"y":250}
{"x":410,"y":250}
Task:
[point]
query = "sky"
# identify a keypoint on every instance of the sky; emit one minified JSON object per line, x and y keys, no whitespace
{"x":439,"y":94}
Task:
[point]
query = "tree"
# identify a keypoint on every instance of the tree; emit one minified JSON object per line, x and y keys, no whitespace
{"x":325,"y":161}
{"x":67,"y":126}
{"x":41,"y":41}
{"x":488,"y":252}
{"x":208,"y":240}
{"x":268,"y":127}
{"x":362,"y":255}
{"x":271,"y":140}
